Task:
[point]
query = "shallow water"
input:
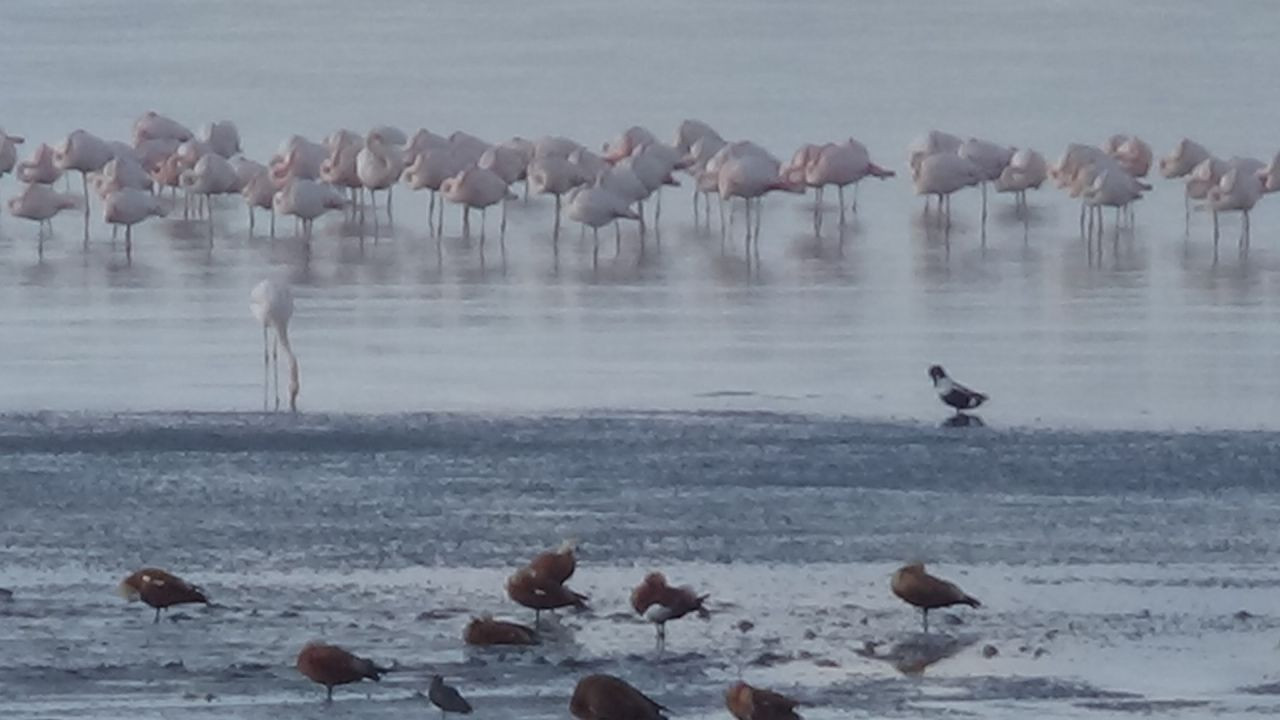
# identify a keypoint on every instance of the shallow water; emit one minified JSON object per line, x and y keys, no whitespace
{"x":1119,"y":572}
{"x":764,"y":431}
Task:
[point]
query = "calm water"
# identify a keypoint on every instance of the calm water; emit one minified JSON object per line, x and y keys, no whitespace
{"x":766,"y":432}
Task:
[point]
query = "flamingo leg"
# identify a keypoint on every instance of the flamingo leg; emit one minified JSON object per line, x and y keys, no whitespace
{"x":275,"y":366}
{"x":840,"y":192}
{"x":266,"y":367}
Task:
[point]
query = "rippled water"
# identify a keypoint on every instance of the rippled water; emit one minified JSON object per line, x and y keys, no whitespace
{"x":765,"y":432}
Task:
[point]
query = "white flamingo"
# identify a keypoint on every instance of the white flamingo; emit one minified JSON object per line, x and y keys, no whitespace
{"x":272,"y":304}
{"x":942,"y":174}
{"x":430,"y":168}
{"x":596,"y":207}
{"x":40,"y":203}
{"x":154,"y":126}
{"x":1027,"y":170}
{"x":40,"y":168}
{"x":1238,"y":191}
{"x":128,"y":207}
{"x":307,"y":200}
{"x":84,"y":152}
{"x":842,"y":165}
{"x":222,"y":138}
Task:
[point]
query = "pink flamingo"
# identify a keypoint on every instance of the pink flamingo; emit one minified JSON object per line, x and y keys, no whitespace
{"x":9,"y":152}
{"x":40,"y":169}
{"x":340,"y":169}
{"x":211,"y":175}
{"x":629,"y":140}
{"x":990,"y":158}
{"x":85,"y":152}
{"x":1133,"y":155}
{"x":1027,"y":170}
{"x":476,"y":188}
{"x":1112,"y":187}
{"x":272,"y":305}
{"x":259,"y":191}
{"x":222,"y":138}
{"x":691,"y":131}
{"x":554,"y":146}
{"x":842,"y":165}
{"x":750,"y":176}
{"x":154,"y":126}
{"x":123,"y":171}
{"x":554,"y":175}
{"x":429,"y":169}
{"x":1238,"y":190}
{"x":1270,"y":175}
{"x":468,"y":146}
{"x":40,"y":202}
{"x":128,"y":207}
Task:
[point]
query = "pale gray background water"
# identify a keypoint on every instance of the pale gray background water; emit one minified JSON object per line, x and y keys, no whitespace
{"x":1113,"y":564}
{"x":1154,"y":335}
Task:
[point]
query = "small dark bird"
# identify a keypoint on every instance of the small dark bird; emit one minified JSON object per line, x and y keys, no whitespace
{"x":753,"y":703}
{"x":953,"y":393}
{"x":656,"y":601}
{"x":605,"y":697}
{"x":448,"y":699}
{"x":919,"y":588}
{"x":484,"y":630}
{"x":330,"y":665}
{"x":160,"y":590}
{"x":525,"y":588}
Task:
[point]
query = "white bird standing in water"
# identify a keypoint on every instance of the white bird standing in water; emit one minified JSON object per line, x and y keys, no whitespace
{"x":272,"y":305}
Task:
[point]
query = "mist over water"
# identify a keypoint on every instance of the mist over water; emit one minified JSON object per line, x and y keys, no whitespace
{"x":763,"y":431}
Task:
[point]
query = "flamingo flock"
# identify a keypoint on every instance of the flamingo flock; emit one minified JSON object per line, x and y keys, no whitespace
{"x":596,"y":696}
{"x":352,"y":173}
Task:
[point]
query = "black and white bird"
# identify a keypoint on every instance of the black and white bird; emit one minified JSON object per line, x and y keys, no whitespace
{"x":448,"y":699}
{"x":953,"y":393}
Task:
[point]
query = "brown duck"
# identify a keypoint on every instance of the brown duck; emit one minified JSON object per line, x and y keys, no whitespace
{"x":330,"y":665}
{"x":919,"y":588}
{"x":605,"y":697}
{"x":160,"y":589}
{"x":484,"y":630}
{"x":555,"y":567}
{"x":752,"y":703}
{"x":656,"y":601}
{"x":526,"y":589}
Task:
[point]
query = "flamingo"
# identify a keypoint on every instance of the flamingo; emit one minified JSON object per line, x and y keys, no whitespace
{"x":306,"y":200}
{"x":942,"y":174}
{"x":691,"y":131}
{"x":152,"y":152}
{"x":40,"y":202}
{"x":422,"y":141}
{"x":40,"y":169}
{"x":554,"y":146}
{"x":629,"y":140}
{"x":123,"y":171}
{"x":1180,"y":162}
{"x":340,"y":169}
{"x":510,"y":164}
{"x":379,"y":165}
{"x":700,"y":153}
{"x":129,"y":206}
{"x":297,"y":157}
{"x":259,"y":192}
{"x":931,"y":143}
{"x":272,"y":304}
{"x":842,"y":165}
{"x":622,"y":181}
{"x":9,"y":152}
{"x":85,"y":152}
{"x":596,"y":207}
{"x":468,"y":147}
{"x":1076,"y":156}
{"x":750,"y":176}
{"x":1113,"y":187}
{"x":1131,"y":152}
{"x":154,"y":126}
{"x":1027,"y":170}
{"x":653,"y":167}
{"x":990,"y":158}
{"x":476,"y":188}
{"x":429,"y":169}
{"x":222,"y":138}
{"x":1270,"y":175}
{"x":554,"y":175}
{"x":1238,"y":190}
{"x":211,"y":175}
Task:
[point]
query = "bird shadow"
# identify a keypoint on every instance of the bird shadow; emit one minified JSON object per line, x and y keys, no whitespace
{"x":917,"y":652}
{"x":963,"y":420}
